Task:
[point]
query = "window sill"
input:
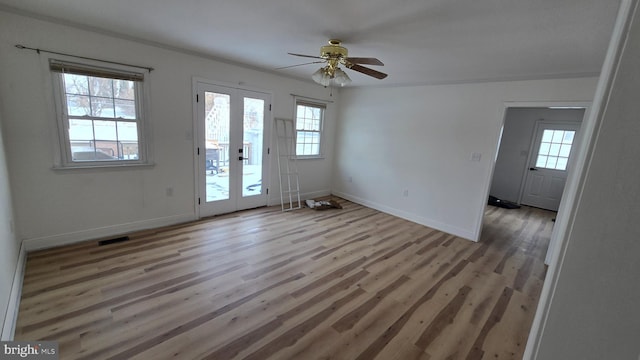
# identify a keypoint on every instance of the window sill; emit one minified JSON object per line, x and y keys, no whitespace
{"x":310,"y":157}
{"x":118,"y":166}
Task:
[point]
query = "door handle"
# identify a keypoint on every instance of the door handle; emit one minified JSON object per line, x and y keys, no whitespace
{"x":242,"y":158}
{"x":533,"y":169}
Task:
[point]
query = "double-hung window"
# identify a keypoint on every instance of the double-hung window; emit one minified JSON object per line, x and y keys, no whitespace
{"x":100,"y":115}
{"x":309,"y":119}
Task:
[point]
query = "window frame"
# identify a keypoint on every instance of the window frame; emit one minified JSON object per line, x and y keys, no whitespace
{"x":551,"y":142}
{"x":64,"y":157}
{"x":323,"y":109}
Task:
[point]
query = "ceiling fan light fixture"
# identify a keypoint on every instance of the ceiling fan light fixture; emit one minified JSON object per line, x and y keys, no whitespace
{"x":341,"y":77}
{"x":335,"y":55}
{"x":322,"y":76}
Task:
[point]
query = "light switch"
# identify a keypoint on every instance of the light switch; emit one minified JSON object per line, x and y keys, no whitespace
{"x":476,"y":156}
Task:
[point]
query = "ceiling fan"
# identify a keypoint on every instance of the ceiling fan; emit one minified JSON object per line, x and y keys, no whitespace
{"x":335,"y":55}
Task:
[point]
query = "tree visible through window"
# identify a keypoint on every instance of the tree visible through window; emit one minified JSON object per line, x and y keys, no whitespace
{"x":101,"y":115}
{"x":309,"y":118}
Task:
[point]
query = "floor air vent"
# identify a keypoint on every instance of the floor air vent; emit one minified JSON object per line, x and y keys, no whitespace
{"x":113,"y":241}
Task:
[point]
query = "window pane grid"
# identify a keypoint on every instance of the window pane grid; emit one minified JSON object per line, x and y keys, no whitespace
{"x":102,"y":121}
{"x":308,"y":129}
{"x":555,"y":149}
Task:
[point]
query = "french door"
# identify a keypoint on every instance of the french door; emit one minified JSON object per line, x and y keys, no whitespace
{"x":232,"y":148}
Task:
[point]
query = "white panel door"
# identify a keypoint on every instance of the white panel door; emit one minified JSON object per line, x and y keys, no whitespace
{"x":232,"y":151}
{"x":548,"y":166}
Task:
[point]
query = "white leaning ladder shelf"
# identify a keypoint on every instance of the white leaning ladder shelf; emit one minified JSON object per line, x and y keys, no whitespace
{"x":287,"y":167}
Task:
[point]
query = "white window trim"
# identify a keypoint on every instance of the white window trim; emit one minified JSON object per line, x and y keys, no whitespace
{"x":307,"y":102}
{"x":62,"y":158}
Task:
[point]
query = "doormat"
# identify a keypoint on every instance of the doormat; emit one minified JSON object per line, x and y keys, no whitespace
{"x":502,"y":203}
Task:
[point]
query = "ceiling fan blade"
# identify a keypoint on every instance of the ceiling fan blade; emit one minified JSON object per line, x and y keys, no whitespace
{"x":290,"y":66}
{"x":308,"y":56}
{"x":367,"y":71}
{"x":364,"y":60}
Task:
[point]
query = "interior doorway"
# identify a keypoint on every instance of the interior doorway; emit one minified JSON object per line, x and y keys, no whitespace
{"x":516,"y":149}
{"x":529,"y":170}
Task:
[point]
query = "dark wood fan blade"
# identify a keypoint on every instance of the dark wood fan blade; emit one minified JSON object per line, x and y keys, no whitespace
{"x":367,"y":71}
{"x":366,"y":61}
{"x":290,"y":66}
{"x":308,"y":56}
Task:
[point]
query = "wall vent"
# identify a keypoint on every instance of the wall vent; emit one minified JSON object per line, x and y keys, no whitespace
{"x":113,"y":241}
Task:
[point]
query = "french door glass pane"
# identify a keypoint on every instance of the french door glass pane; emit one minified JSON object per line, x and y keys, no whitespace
{"x":217,"y":116}
{"x":252,"y":147}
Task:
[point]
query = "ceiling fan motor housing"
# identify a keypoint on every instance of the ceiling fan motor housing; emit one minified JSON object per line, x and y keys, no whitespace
{"x":333,"y":50}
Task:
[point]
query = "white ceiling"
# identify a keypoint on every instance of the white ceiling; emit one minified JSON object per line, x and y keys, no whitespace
{"x":420,"y":41}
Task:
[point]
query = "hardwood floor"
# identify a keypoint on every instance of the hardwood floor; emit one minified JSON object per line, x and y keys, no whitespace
{"x":353,"y":283}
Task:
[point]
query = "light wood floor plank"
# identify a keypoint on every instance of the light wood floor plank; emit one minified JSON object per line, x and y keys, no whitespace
{"x":352,"y":283}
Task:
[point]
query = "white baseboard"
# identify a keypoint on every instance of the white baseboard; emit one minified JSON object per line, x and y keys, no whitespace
{"x":463,"y":233}
{"x":83,"y":235}
{"x":11,"y":316}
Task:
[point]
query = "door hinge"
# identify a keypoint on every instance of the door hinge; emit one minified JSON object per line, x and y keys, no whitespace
{"x":269,"y":107}
{"x":268,"y":151}
{"x":198,"y":151}
{"x":267,"y":191}
{"x":197,"y":97}
{"x":198,"y":201}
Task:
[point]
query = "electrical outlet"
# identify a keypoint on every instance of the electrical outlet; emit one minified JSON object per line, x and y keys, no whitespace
{"x":350,"y":179}
{"x":405,"y":193}
{"x":169,"y":191}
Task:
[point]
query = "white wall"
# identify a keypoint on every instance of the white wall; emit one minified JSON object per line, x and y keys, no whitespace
{"x":60,"y":206}
{"x":594,"y":312}
{"x":8,"y":243}
{"x":519,"y":127}
{"x":421,"y":138}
